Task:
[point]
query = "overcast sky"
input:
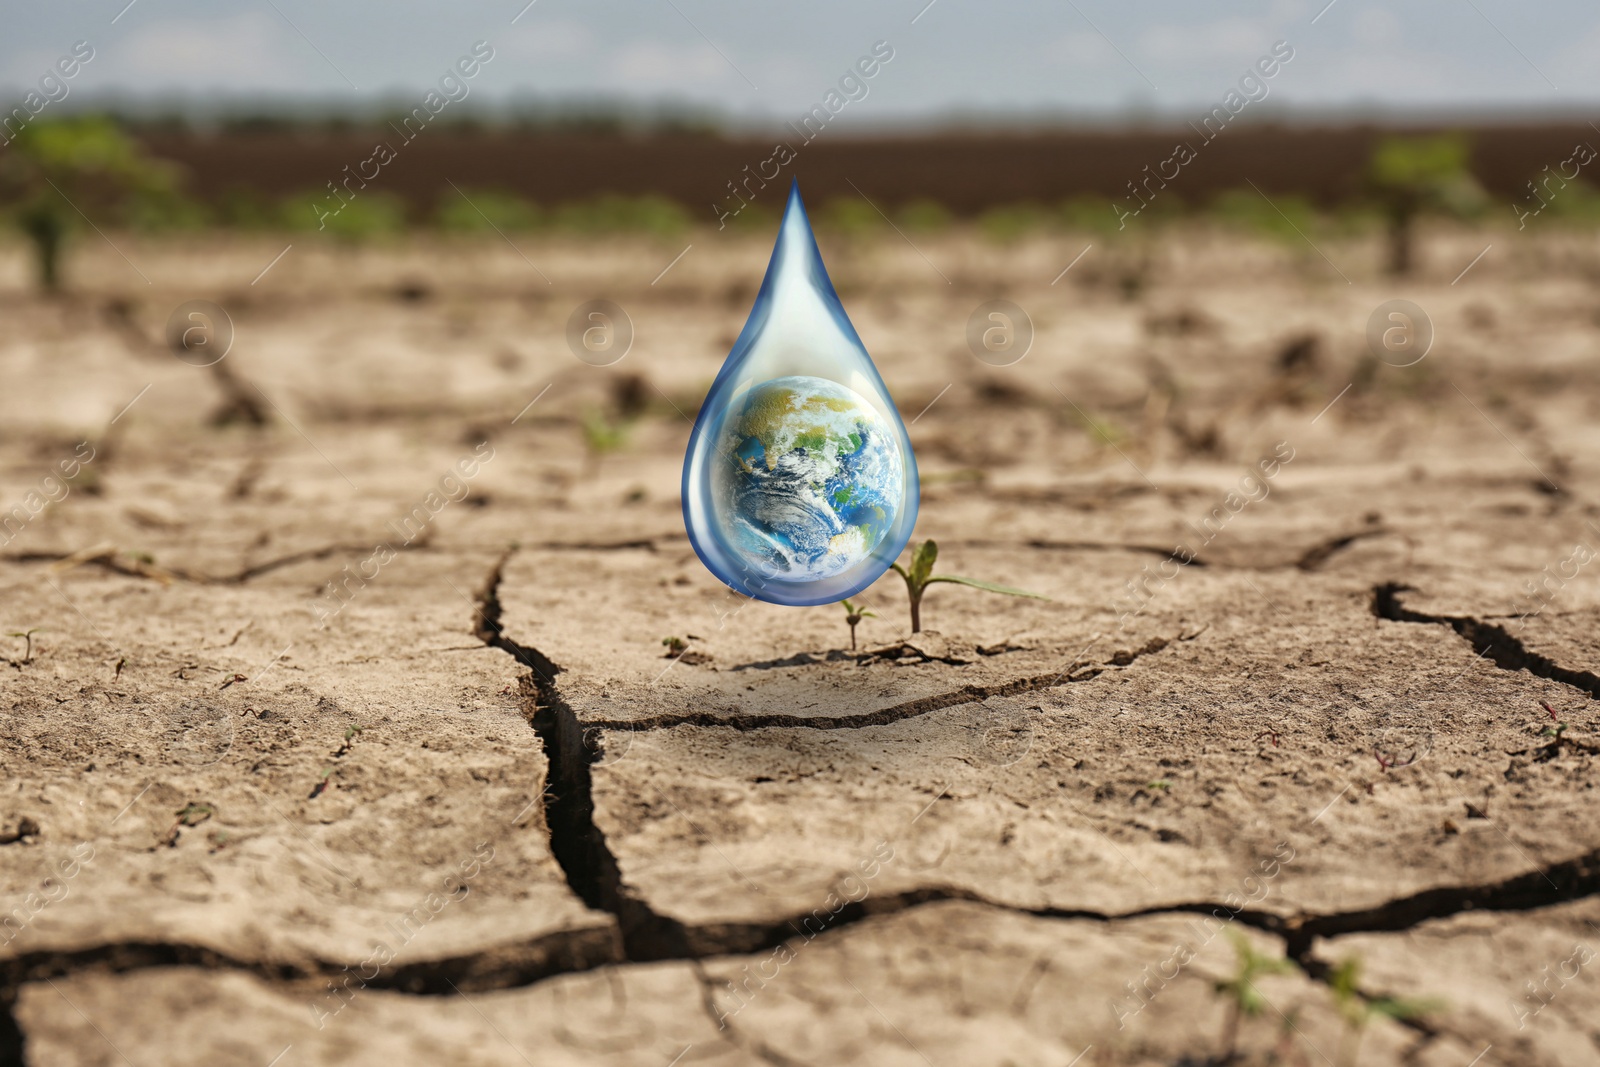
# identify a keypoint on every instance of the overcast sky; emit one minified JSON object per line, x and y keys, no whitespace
{"x":764,"y":58}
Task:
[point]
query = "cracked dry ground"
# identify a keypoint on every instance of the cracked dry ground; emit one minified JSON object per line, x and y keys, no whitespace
{"x":564,"y":849}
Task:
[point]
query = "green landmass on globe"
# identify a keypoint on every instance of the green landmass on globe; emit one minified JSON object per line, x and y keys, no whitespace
{"x":813,"y":478}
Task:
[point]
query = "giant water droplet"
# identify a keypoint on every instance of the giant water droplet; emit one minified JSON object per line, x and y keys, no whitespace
{"x":799,"y":486}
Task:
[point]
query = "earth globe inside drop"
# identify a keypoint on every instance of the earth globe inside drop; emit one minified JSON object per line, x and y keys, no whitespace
{"x":799,"y":480}
{"x":809,"y":480}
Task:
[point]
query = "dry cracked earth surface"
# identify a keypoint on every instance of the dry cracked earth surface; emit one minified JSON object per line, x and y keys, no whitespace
{"x":296,"y":774}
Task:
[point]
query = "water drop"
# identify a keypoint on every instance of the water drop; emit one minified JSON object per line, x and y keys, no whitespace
{"x":799,"y":485}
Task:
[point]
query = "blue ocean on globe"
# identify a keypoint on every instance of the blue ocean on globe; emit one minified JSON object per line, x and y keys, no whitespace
{"x":811,"y":481}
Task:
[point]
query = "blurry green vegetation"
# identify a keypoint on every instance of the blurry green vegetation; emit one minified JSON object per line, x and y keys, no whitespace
{"x":851,"y":216}
{"x":1012,"y":222}
{"x":602,"y":435}
{"x":369,"y":214}
{"x":1415,"y":175}
{"x":755,"y":218}
{"x":481,"y":210}
{"x":654,"y":215}
{"x":1578,"y":202}
{"x":1103,"y":431}
{"x":924,"y":216}
{"x":1091,"y":214}
{"x":1358,"y":1009}
{"x":245,"y":209}
{"x":1287,"y":218}
{"x":1243,"y":998}
{"x":164,"y":210}
{"x":54,"y":170}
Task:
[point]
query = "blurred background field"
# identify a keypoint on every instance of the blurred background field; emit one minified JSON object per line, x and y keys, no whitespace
{"x":1294,"y":184}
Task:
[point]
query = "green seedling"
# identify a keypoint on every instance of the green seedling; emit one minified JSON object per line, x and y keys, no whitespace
{"x":1244,"y":999}
{"x":1554,"y":731}
{"x":54,"y":169}
{"x":601,"y":435}
{"x":675,"y":646}
{"x":1160,"y":783}
{"x":853,"y":615}
{"x":194,"y":814}
{"x":1415,"y":175}
{"x":26,"y":635}
{"x":349,"y":737}
{"x":1357,"y":1009}
{"x":920,"y":575}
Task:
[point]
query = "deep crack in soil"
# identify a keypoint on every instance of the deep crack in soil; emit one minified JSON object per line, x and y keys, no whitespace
{"x":594,"y":875}
{"x":910,"y":709}
{"x":1503,"y":648}
{"x":576,"y":841}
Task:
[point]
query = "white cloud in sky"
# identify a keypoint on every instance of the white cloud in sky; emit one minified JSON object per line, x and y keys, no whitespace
{"x":1379,"y":28}
{"x":250,"y":51}
{"x":997,"y":54}
{"x":1086,"y":49}
{"x":660,"y":66}
{"x":555,"y":39}
{"x":1225,"y":38}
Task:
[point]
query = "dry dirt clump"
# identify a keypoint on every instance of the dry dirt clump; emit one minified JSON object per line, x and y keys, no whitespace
{"x":403,"y":726}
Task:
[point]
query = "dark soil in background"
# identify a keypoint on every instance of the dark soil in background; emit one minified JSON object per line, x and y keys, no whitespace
{"x":965,"y":172}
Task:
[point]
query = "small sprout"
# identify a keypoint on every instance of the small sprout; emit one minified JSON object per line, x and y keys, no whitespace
{"x":349,"y":733}
{"x":1273,"y":734}
{"x":1162,"y":784}
{"x":235,"y":680}
{"x":920,"y":575}
{"x":853,"y":614}
{"x":1357,"y":1009}
{"x":601,"y":435}
{"x":676,"y":646}
{"x":27,"y":636}
{"x":1553,"y":732}
{"x":322,"y":784}
{"x":1243,"y":996}
{"x":194,"y":814}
